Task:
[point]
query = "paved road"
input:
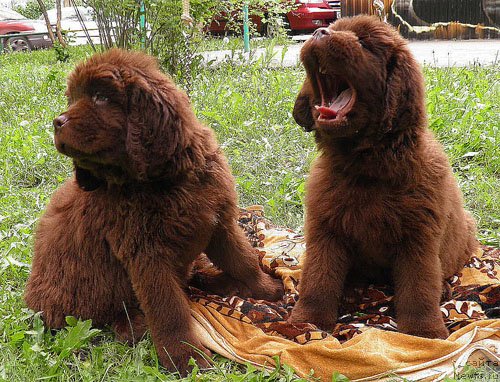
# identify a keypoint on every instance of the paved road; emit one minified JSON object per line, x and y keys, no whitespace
{"x":434,"y":53}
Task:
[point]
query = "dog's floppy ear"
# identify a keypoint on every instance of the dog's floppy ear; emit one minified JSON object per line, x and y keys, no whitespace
{"x":302,"y":109}
{"x":155,"y":130}
{"x":86,"y":180}
{"x":404,"y":105}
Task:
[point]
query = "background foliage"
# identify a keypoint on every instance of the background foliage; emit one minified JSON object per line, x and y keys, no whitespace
{"x":32,"y":10}
{"x":166,"y":36}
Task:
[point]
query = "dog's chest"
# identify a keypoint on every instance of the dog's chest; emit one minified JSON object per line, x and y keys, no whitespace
{"x":132,"y":222}
{"x":370,"y":219}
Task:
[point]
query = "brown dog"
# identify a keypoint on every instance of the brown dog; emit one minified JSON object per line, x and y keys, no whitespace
{"x":382,"y":202}
{"x":151,"y":191}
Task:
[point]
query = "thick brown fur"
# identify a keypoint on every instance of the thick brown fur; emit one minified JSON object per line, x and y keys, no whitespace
{"x":151,"y":191}
{"x":382,"y":204}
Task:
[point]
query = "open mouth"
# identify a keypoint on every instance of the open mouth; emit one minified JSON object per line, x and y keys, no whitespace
{"x":337,"y":96}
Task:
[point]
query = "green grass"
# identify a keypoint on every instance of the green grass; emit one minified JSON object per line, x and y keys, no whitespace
{"x":250,"y":110}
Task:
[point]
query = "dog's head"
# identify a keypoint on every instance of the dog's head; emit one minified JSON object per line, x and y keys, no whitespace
{"x":125,"y":122}
{"x":361,"y":81}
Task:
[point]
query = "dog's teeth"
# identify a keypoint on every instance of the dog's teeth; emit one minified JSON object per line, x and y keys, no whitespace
{"x":316,"y":107}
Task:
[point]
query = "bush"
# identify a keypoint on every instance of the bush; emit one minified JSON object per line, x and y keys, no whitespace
{"x":32,"y":10}
{"x":272,"y":13}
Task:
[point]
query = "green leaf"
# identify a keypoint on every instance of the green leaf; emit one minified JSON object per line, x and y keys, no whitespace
{"x":71,"y":321}
{"x":337,"y":377}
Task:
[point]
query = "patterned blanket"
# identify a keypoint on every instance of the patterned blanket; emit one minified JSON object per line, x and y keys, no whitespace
{"x":365,"y":344}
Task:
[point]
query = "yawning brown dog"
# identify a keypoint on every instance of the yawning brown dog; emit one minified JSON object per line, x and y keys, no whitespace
{"x":382,"y":202}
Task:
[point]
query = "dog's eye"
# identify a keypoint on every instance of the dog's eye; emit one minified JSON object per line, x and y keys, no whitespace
{"x":99,"y":98}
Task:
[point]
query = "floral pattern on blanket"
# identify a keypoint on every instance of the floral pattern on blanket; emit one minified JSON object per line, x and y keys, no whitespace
{"x":475,"y":291}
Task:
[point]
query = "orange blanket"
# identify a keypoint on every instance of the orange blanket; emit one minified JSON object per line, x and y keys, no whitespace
{"x":365,"y":344}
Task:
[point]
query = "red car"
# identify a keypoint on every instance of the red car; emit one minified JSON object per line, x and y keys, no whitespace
{"x":312,"y":14}
{"x":306,"y":17}
{"x":13,"y":23}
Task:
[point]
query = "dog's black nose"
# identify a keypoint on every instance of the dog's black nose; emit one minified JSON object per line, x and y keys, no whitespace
{"x":59,"y":122}
{"x":321,"y":32}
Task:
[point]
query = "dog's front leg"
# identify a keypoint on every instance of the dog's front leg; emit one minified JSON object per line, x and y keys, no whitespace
{"x":165,"y":305}
{"x":418,"y":284}
{"x":322,"y":281}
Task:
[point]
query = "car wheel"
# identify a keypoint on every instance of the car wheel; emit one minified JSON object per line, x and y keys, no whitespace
{"x":18,"y":44}
{"x":275,"y":27}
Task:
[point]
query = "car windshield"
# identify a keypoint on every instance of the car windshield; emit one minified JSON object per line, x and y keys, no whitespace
{"x":8,"y":14}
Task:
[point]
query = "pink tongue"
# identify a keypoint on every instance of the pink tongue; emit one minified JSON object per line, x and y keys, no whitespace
{"x":326,"y":112}
{"x":340,"y":102}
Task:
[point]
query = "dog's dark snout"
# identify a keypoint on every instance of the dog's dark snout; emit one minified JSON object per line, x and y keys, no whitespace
{"x":321,"y":32}
{"x":59,"y":122}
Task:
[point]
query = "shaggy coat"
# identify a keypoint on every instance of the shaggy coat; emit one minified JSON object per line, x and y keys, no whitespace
{"x":151,"y":191}
{"x":382,"y":202}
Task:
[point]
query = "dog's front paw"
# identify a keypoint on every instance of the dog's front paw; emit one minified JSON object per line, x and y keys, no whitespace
{"x":177,"y":360}
{"x":424,"y":328}
{"x":131,"y":327}
{"x":324,"y":319}
{"x":439,"y":332}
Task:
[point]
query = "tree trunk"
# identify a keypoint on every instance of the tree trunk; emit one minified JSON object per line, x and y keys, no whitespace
{"x":58,"y":25}
{"x":43,"y":9}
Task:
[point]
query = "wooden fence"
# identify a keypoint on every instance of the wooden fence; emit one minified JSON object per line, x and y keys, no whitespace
{"x":443,"y":19}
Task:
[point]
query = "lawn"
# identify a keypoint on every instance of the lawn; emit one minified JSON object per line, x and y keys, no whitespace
{"x":250,"y":110}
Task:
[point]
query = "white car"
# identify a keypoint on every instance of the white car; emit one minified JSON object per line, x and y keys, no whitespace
{"x":71,"y":24}
{"x":20,"y":33}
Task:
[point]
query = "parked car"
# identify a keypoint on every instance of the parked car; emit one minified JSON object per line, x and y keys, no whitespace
{"x":13,"y":23}
{"x":71,"y":25}
{"x":312,"y":14}
{"x":305,"y":17}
